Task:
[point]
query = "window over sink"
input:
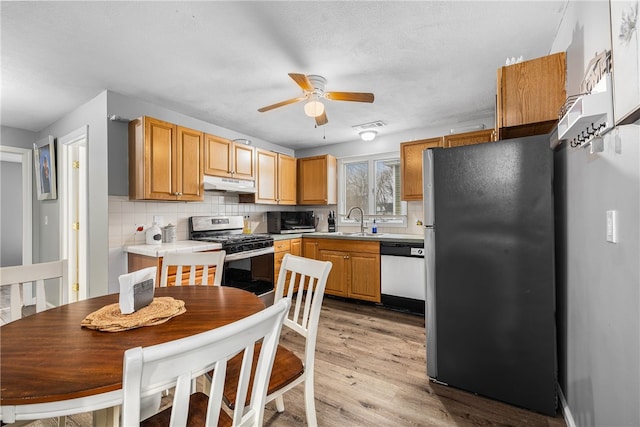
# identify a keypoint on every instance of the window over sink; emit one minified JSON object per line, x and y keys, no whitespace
{"x":373,"y":184}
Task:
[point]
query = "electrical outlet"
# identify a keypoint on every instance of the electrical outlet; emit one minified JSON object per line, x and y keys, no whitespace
{"x":320,"y":217}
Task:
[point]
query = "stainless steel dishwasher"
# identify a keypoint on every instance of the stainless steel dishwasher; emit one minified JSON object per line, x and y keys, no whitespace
{"x":402,"y":276}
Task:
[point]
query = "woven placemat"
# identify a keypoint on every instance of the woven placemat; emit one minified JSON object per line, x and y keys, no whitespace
{"x":110,"y":319}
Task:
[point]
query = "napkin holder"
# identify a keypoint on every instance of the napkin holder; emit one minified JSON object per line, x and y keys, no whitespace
{"x":136,"y":289}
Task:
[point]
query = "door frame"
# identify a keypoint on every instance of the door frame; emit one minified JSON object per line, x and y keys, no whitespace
{"x":65,"y":147}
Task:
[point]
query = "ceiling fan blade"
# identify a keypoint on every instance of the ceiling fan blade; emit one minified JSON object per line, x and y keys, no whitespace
{"x":302,"y":81}
{"x":350,"y":96}
{"x":322,"y":119}
{"x":281,"y":104}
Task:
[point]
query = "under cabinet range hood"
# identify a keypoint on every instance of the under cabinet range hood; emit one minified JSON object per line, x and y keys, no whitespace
{"x":216,"y":183}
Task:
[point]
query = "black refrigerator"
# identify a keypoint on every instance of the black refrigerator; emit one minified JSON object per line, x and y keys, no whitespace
{"x":489,"y":259}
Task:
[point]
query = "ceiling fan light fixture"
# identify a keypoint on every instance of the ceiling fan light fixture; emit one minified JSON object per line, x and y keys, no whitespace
{"x":368,"y":135}
{"x":314,"y":108}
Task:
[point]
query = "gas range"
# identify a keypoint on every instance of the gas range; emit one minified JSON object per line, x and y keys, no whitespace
{"x":227,"y":230}
{"x":249,"y":259}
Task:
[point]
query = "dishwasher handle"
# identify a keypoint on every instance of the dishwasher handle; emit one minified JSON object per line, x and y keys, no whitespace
{"x":402,"y":249}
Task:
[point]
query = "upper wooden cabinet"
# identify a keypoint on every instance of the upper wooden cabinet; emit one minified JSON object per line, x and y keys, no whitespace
{"x":529,"y":96}
{"x":468,"y":138}
{"x":411,"y":166}
{"x":275,"y":179}
{"x":227,"y":158}
{"x":317,"y":180}
{"x":165,"y":161}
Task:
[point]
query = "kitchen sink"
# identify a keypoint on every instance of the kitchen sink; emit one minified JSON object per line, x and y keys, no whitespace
{"x":357,"y":234}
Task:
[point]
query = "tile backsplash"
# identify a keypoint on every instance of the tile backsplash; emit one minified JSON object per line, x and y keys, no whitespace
{"x":125,"y":215}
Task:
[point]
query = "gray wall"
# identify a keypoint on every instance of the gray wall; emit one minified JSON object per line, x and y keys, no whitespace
{"x":22,"y":139}
{"x":10,"y":213}
{"x":598,"y":281}
{"x":94,"y":115}
{"x":385,"y":143}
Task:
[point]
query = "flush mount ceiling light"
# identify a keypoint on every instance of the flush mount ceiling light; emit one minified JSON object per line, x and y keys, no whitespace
{"x":368,"y":135}
{"x":314,"y":108}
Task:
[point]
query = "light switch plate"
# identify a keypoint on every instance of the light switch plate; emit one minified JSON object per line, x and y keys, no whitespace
{"x":612,"y":226}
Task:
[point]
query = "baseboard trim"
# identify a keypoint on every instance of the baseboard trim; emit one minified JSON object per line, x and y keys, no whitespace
{"x":566,"y":412}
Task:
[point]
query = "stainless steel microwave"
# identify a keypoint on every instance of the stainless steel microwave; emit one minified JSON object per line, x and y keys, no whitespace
{"x":291,"y":222}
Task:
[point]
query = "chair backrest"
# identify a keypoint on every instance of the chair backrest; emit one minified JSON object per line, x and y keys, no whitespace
{"x":303,"y":280}
{"x":195,"y":262}
{"x":150,"y":370}
{"x":16,"y":276}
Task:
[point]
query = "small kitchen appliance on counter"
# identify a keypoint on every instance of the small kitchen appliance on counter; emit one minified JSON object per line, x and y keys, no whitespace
{"x":291,"y":222}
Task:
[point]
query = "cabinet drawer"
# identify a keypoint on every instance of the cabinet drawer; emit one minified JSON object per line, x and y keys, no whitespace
{"x":282,"y":246}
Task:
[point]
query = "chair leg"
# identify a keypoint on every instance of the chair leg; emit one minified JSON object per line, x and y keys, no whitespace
{"x":310,"y":403}
{"x":280,"y":404}
{"x":62,"y":421}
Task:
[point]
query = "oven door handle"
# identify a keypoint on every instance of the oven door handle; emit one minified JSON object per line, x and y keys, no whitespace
{"x":249,"y":254}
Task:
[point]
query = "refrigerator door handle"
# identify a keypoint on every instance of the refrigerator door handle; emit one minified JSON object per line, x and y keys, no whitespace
{"x":427,"y":187}
{"x":430,"y":301}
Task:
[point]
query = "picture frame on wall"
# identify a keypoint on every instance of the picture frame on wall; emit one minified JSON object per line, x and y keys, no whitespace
{"x":625,"y":48}
{"x":45,"y":166}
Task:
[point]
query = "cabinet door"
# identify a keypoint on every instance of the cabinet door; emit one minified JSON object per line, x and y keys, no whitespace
{"x":338,"y":281}
{"x":529,"y":96}
{"x":159,"y":159}
{"x":468,"y":138}
{"x":317,"y":180}
{"x":188,"y":164}
{"x":243,"y":161}
{"x":286,"y":180}
{"x":266,"y":169}
{"x":365,"y":276}
{"x":296,"y":247}
{"x":310,"y":248}
{"x":411,"y":166}
{"x":218,"y":155}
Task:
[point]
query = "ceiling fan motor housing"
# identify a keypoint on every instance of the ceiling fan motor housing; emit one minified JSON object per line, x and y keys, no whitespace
{"x":318,"y":83}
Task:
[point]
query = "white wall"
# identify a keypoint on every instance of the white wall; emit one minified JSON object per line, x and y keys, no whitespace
{"x":598,"y":284}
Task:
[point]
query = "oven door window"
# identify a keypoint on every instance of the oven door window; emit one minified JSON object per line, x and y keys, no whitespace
{"x":254,"y":274}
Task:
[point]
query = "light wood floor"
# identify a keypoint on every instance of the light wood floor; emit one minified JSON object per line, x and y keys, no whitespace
{"x":370,"y":371}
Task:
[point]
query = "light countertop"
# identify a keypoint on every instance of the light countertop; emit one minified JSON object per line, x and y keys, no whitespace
{"x":178,"y":246}
{"x":380,"y":237}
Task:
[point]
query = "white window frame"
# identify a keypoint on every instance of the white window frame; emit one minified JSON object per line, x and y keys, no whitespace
{"x":399,"y":221}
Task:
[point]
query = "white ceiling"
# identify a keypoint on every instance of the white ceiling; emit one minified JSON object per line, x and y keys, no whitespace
{"x":428,"y":63}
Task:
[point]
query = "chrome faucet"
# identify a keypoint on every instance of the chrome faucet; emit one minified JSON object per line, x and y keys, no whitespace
{"x":361,"y":217}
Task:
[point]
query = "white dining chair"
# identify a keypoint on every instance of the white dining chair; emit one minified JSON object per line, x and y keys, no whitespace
{"x":208,"y":262}
{"x":47,"y":275}
{"x":149,"y":370}
{"x":302,"y":280}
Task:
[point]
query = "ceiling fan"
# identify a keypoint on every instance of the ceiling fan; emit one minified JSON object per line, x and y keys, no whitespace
{"x":313,"y":87}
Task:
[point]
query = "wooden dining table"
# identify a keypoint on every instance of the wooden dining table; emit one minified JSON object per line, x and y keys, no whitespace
{"x":51,"y":366}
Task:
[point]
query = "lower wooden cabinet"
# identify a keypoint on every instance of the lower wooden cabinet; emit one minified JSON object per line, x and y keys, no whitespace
{"x":356,"y":266}
{"x":282,"y":247}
